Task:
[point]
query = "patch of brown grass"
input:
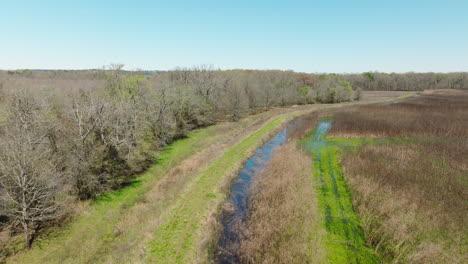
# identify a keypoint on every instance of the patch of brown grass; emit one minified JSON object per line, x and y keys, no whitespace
{"x":412,"y":197}
{"x":283,"y":225}
{"x":438,"y":114}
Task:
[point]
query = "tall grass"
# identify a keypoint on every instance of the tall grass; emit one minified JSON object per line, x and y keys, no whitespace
{"x":284,"y":223}
{"x":436,"y":114}
{"x":412,"y":196}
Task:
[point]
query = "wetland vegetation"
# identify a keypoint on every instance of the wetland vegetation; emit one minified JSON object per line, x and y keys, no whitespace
{"x":144,"y":162}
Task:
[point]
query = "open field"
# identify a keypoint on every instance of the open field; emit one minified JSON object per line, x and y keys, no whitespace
{"x":411,"y":191}
{"x":389,"y":185}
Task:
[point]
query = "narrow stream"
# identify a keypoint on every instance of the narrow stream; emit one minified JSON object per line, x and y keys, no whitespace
{"x":239,"y":199}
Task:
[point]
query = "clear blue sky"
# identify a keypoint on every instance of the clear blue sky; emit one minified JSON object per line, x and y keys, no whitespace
{"x":308,"y":36}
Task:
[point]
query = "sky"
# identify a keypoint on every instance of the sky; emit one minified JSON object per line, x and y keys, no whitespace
{"x":306,"y":36}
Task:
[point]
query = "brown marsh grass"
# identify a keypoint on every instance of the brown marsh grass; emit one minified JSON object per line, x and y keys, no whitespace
{"x":435,"y":114}
{"x":284,"y":224}
{"x":412,"y":197}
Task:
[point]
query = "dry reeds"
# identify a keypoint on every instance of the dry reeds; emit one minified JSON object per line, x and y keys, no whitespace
{"x":429,"y":115}
{"x":283,"y":226}
{"x":412,"y":196}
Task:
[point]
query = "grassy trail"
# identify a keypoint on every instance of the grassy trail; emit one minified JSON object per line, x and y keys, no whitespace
{"x":345,"y":241}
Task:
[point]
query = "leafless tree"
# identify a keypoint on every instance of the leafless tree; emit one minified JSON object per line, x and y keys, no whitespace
{"x":81,"y":127}
{"x":29,"y":175}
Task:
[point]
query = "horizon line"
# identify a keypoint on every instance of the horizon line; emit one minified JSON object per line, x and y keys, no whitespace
{"x":228,"y":69}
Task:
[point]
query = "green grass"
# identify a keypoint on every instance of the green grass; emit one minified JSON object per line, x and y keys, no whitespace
{"x":344,"y":240}
{"x":3,"y":116}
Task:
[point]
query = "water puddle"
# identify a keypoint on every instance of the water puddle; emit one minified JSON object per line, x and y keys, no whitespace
{"x":238,"y":201}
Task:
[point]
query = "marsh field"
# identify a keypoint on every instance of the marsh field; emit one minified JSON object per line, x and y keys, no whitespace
{"x":207,"y":166}
{"x":389,"y":185}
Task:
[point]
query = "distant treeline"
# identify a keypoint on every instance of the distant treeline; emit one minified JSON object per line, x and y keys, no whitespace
{"x":68,"y":135}
{"x":367,"y":81}
{"x":407,"y":81}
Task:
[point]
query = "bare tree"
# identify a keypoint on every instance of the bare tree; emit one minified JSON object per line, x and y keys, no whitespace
{"x":204,"y":81}
{"x":29,"y":177}
{"x":84,"y":150}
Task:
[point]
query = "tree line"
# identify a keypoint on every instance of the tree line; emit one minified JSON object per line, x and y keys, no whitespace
{"x":407,"y":81}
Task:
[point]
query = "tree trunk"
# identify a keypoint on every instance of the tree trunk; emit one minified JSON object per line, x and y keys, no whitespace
{"x":27,"y":236}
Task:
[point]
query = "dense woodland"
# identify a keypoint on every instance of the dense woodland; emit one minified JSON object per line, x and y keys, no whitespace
{"x":73,"y":135}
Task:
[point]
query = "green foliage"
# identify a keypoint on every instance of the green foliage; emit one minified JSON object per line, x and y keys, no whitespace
{"x":114,"y":166}
{"x":347,"y":86}
{"x":303,"y":91}
{"x":125,"y":87}
{"x":369,"y":76}
{"x":334,"y":90}
{"x":131,"y":84}
{"x":26,"y":72}
{"x":332,"y":95}
{"x":322,"y":77}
